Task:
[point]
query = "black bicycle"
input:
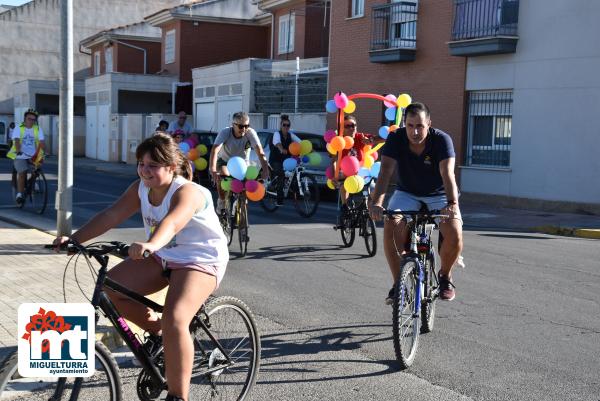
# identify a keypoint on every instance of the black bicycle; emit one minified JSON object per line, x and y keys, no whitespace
{"x":235,"y":216}
{"x":417,"y":287}
{"x":301,"y":185}
{"x":36,"y":188}
{"x":226,"y":349}
{"x":356,"y":216}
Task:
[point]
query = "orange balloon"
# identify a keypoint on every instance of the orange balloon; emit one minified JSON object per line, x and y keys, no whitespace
{"x":393,"y":128}
{"x":193,"y":154}
{"x":295,"y":148}
{"x":258,"y":194}
{"x":338,"y":143}
{"x":349,"y":142}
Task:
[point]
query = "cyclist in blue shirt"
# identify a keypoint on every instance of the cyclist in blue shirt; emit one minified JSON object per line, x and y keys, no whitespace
{"x":424,"y":158}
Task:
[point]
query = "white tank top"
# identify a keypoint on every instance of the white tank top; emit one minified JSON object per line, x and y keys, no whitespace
{"x":200,"y":241}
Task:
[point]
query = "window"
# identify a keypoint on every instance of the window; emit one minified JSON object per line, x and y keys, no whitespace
{"x":97,"y":63}
{"x":170,"y":47}
{"x":489,"y":128}
{"x":357,"y":8}
{"x":404,"y":24}
{"x":108,"y":59}
{"x":286,"y":33}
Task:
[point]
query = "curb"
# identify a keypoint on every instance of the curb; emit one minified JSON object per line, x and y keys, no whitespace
{"x":590,"y":233}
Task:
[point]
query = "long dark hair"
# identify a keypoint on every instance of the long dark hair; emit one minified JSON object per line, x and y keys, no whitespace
{"x":162,"y":149}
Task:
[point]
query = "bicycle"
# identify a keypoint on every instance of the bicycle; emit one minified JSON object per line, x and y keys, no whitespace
{"x":226,"y":348}
{"x":417,"y":287}
{"x":303,"y":187}
{"x":36,"y":188}
{"x":357,"y":216}
{"x":235,"y":215}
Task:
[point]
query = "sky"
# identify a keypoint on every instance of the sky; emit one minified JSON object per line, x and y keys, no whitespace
{"x":13,"y":2}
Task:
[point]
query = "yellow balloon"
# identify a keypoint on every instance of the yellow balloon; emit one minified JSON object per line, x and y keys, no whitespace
{"x":330,"y":150}
{"x":201,"y":163}
{"x":354,"y":184}
{"x":305,"y":147}
{"x":202,"y":149}
{"x":350,"y":107}
{"x":368,"y":161}
{"x":403,"y":100}
{"x":330,"y":184}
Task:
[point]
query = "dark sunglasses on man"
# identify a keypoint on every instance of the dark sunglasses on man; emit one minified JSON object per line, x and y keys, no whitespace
{"x":243,"y":126}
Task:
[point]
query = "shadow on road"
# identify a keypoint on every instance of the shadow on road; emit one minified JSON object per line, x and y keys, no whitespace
{"x":302,"y":253}
{"x":23,"y":249}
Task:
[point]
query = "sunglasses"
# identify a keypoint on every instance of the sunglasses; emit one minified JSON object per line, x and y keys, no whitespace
{"x":243,"y":126}
{"x":285,"y":125}
{"x":350,"y":126}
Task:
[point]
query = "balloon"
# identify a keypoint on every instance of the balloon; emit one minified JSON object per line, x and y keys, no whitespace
{"x":201,"y":163}
{"x":375,"y":155}
{"x":375,"y":169}
{"x":404,"y":100}
{"x":305,"y":159}
{"x":329,"y":135}
{"x":330,"y":149}
{"x":237,"y":167}
{"x":251,"y":185}
{"x":184,"y":147}
{"x":341,"y":100}
{"x":331,"y":107}
{"x":329,"y":172}
{"x":294,"y":148}
{"x":338,"y":143}
{"x":367,"y":149}
{"x":251,"y":173}
{"x":350,"y":107}
{"x":368,"y":161}
{"x":391,"y":101}
{"x":354,"y":184}
{"x":330,"y":184}
{"x":393,"y":128}
{"x":237,"y":186}
{"x":202,"y":149}
{"x":390,"y":113}
{"x":314,"y":159}
{"x":289,"y":164}
{"x":193,"y":141}
{"x":305,"y":147}
{"x":257,"y":195}
{"x":383,"y":132}
{"x":364,"y":172}
{"x":190,"y":143}
{"x":226,"y":185}
{"x":193,"y":154}
{"x":349,"y":142}
{"x":349,"y":165}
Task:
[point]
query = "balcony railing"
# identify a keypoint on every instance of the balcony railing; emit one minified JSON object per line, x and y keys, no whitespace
{"x":485,"y":18}
{"x":394,"y":32}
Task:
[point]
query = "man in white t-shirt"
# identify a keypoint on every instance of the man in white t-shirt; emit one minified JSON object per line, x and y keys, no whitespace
{"x":180,"y":124}
{"x":28,"y":147}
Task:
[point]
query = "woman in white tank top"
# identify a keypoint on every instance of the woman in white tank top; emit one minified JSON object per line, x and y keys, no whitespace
{"x":186,"y":241}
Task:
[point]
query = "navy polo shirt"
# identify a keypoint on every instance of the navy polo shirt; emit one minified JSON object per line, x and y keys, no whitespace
{"x":419,"y":174}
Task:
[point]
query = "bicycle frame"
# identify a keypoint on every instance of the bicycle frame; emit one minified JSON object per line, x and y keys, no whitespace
{"x":296,"y":175}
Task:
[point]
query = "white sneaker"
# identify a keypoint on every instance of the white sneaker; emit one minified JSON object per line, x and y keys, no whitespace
{"x":220,"y":205}
{"x":19,"y":198}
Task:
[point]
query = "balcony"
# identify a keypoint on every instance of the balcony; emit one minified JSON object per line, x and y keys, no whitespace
{"x":394,"y":32}
{"x":483,"y":27}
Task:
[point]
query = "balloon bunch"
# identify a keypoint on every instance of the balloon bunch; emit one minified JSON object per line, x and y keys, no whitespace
{"x":354,"y":170}
{"x":243,"y":177}
{"x":302,"y":152}
{"x":194,"y":152}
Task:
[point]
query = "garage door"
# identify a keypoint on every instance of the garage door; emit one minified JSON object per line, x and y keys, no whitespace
{"x":226,"y":107}
{"x":205,"y":116}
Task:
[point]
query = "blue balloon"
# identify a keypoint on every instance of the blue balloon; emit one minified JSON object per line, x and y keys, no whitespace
{"x":383,"y":132}
{"x":390,"y":114}
{"x":305,"y":159}
{"x":364,"y":172}
{"x":237,"y":168}
{"x":331,"y":107}
{"x":184,"y":147}
{"x":289,"y":164}
{"x":375,"y":168}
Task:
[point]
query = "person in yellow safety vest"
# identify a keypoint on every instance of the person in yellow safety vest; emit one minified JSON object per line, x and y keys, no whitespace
{"x":28,"y":148}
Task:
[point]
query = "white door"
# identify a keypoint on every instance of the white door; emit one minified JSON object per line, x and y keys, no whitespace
{"x":91,"y":131}
{"x":225,"y":109}
{"x":205,"y":116}
{"x":103,"y":132}
{"x":124,"y":138}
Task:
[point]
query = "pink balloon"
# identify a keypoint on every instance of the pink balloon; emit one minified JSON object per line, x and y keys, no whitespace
{"x":350,"y":165}
{"x":194,"y":141}
{"x":251,"y":185}
{"x":341,"y":100}
{"x":190,"y":142}
{"x":329,"y":135}
{"x":237,"y":186}
{"x":375,"y":155}
{"x":391,"y":101}
{"x":329,"y":172}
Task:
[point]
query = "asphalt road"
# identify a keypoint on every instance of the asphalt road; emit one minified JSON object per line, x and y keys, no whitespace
{"x":524,"y":325}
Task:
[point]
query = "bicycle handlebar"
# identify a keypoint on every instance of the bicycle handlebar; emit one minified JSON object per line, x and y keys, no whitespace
{"x":115,"y":247}
{"x":416,"y":213}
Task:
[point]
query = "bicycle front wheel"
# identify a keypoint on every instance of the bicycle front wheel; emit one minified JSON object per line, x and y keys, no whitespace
{"x":405,"y":318}
{"x":369,"y":234}
{"x":232,"y":324}
{"x":242,"y":225}
{"x":38,"y":191}
{"x":306,"y":198}
{"x":431,"y":289}
{"x":105,"y":384}
{"x":269,"y":201}
{"x":347,"y":229}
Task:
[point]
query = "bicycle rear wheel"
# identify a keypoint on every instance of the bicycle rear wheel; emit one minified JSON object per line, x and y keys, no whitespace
{"x":38,"y":191}
{"x":431,"y":289}
{"x":369,"y":234}
{"x":306,"y":204}
{"x":242,"y":225}
{"x":269,"y":202}
{"x":232,"y":324}
{"x":105,"y":384}
{"x":405,"y":319}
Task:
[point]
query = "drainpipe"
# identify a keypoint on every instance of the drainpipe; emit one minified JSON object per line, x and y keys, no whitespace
{"x":272,"y":35}
{"x":133,"y":47}
{"x":174,"y":86}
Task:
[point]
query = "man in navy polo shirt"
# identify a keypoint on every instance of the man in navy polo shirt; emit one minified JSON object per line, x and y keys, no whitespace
{"x":424,"y":157}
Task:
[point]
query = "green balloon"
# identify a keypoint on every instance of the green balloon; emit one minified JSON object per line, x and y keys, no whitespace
{"x":314,"y":159}
{"x":226,"y":185}
{"x":251,"y":173}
